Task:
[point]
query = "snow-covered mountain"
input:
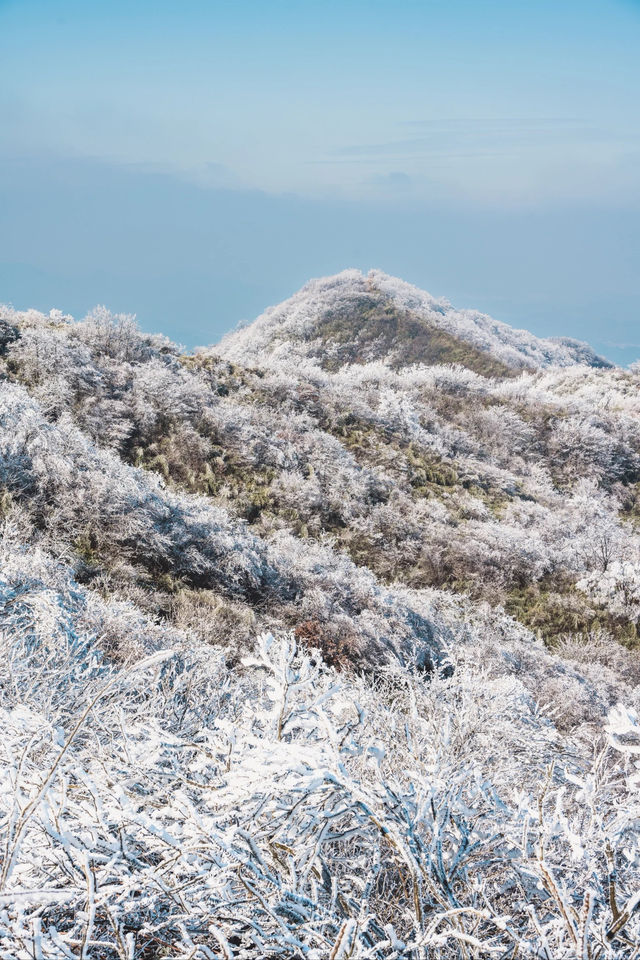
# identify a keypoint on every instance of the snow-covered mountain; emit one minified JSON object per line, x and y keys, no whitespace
{"x":322,"y":642}
{"x":356,"y":317}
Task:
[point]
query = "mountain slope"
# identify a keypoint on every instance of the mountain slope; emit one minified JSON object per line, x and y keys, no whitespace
{"x":353,"y":317}
{"x":295,"y":628}
{"x":363,"y":481}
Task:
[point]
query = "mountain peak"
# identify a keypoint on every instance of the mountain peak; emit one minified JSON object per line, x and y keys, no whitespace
{"x":353,"y":317}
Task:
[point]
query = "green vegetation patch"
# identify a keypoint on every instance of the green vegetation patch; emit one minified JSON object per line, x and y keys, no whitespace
{"x":556,"y":608}
{"x":372,"y":326}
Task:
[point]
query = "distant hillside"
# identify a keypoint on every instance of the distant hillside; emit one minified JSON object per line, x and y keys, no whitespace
{"x":321,"y":642}
{"x":357,"y":318}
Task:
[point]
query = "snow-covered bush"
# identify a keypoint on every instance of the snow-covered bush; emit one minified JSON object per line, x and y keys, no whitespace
{"x":169,"y":807}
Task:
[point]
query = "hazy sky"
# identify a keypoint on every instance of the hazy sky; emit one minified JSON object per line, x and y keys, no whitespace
{"x":193,"y":162}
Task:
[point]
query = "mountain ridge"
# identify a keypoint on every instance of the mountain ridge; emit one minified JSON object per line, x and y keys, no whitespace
{"x":322,"y":314}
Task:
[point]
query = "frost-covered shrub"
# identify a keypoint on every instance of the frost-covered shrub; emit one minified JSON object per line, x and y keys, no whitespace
{"x":172,"y":808}
{"x":617,"y":587}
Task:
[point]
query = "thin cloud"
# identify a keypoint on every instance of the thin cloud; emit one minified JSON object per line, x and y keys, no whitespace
{"x":534,"y":123}
{"x":395,"y":180}
{"x":478,"y":137}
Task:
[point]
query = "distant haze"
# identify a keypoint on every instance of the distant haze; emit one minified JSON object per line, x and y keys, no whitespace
{"x":195,"y":163}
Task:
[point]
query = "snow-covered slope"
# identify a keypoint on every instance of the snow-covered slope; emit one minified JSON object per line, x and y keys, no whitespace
{"x":328,"y":652}
{"x":339,"y":309}
{"x":168,"y":807}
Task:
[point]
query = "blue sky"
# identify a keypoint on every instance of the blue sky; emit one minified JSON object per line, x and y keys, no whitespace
{"x":193,"y":162}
